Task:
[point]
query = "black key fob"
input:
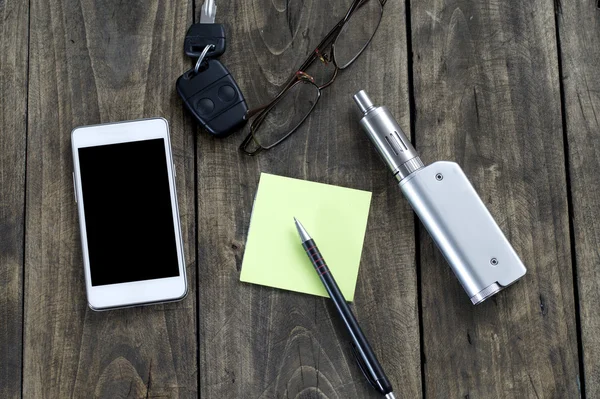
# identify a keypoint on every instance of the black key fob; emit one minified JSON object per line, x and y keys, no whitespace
{"x":214,"y":98}
{"x":199,"y":36}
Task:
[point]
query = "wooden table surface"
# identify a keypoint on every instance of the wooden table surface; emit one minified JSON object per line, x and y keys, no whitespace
{"x":508,"y":89}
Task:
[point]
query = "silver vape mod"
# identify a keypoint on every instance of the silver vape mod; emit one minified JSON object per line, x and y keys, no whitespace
{"x":447,"y":204}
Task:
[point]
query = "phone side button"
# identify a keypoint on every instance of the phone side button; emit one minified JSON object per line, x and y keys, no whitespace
{"x":74,"y":188}
{"x":174,"y":170}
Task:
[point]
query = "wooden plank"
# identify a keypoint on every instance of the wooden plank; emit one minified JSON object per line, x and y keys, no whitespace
{"x":267,"y":343}
{"x":13,"y":136}
{"x":579,"y":27}
{"x":487,"y":96}
{"x":90,"y":63}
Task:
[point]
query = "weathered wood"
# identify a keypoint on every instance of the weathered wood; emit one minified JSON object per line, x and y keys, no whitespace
{"x":13,"y":137}
{"x":579,"y":29}
{"x":90,"y":63}
{"x":267,"y":343}
{"x":487,"y":96}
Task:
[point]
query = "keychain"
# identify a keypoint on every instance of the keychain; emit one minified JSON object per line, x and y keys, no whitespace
{"x":208,"y":90}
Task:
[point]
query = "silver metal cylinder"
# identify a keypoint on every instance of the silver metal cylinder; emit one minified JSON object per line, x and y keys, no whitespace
{"x":387,"y":136}
{"x":363,"y":101}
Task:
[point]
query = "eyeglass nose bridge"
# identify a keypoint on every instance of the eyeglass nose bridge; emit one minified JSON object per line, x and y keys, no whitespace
{"x":301,"y":75}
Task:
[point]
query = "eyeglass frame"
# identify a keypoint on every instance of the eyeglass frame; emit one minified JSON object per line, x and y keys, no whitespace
{"x":301,"y":77}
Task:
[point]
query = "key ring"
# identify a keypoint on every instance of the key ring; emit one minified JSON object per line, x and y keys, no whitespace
{"x":202,"y":55}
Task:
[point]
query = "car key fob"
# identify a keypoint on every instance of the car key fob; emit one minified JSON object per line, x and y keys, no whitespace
{"x":214,"y":98}
{"x":200,"y":35}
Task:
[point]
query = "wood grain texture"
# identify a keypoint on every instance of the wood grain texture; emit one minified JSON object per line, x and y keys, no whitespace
{"x":487,"y":96}
{"x":13,"y":136}
{"x":579,"y":29}
{"x":259,"y":342}
{"x":95,"y":62}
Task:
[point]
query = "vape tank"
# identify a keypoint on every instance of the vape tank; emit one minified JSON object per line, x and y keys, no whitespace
{"x":441,"y":195}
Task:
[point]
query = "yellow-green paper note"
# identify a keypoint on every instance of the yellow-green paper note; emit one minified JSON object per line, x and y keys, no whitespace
{"x":335,"y":217}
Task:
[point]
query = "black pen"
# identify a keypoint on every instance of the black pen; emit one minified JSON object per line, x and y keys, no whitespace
{"x":362,"y":350}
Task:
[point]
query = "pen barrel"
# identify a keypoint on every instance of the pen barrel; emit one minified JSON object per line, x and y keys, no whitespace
{"x":367,"y":361}
{"x":316,"y":258}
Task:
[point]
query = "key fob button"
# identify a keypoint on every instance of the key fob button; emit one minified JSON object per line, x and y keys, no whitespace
{"x":213,"y":98}
{"x":205,"y":106}
{"x":190,"y":84}
{"x":226,"y":93}
{"x":229,"y":121}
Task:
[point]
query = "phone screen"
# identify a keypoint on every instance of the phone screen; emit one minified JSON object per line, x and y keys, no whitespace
{"x":128,"y":212}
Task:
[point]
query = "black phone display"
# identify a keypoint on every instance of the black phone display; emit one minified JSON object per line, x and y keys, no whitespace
{"x":128,"y":212}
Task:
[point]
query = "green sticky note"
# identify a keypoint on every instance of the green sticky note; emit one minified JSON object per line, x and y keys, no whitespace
{"x":335,"y":217}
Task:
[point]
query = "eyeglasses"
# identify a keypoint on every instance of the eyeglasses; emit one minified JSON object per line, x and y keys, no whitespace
{"x":276,"y":121}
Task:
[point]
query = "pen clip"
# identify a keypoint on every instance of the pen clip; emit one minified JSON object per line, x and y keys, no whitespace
{"x":361,"y":365}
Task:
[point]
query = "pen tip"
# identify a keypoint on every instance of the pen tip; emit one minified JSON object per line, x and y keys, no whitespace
{"x":303,"y":234}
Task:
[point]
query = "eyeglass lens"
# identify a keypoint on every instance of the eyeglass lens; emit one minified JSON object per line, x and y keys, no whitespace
{"x":286,"y":114}
{"x":294,"y":106}
{"x":357,"y":33}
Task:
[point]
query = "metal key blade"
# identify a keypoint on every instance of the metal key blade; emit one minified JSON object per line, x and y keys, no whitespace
{"x":208,"y":12}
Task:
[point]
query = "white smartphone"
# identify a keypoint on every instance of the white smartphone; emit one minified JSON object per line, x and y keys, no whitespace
{"x":124,"y":180}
